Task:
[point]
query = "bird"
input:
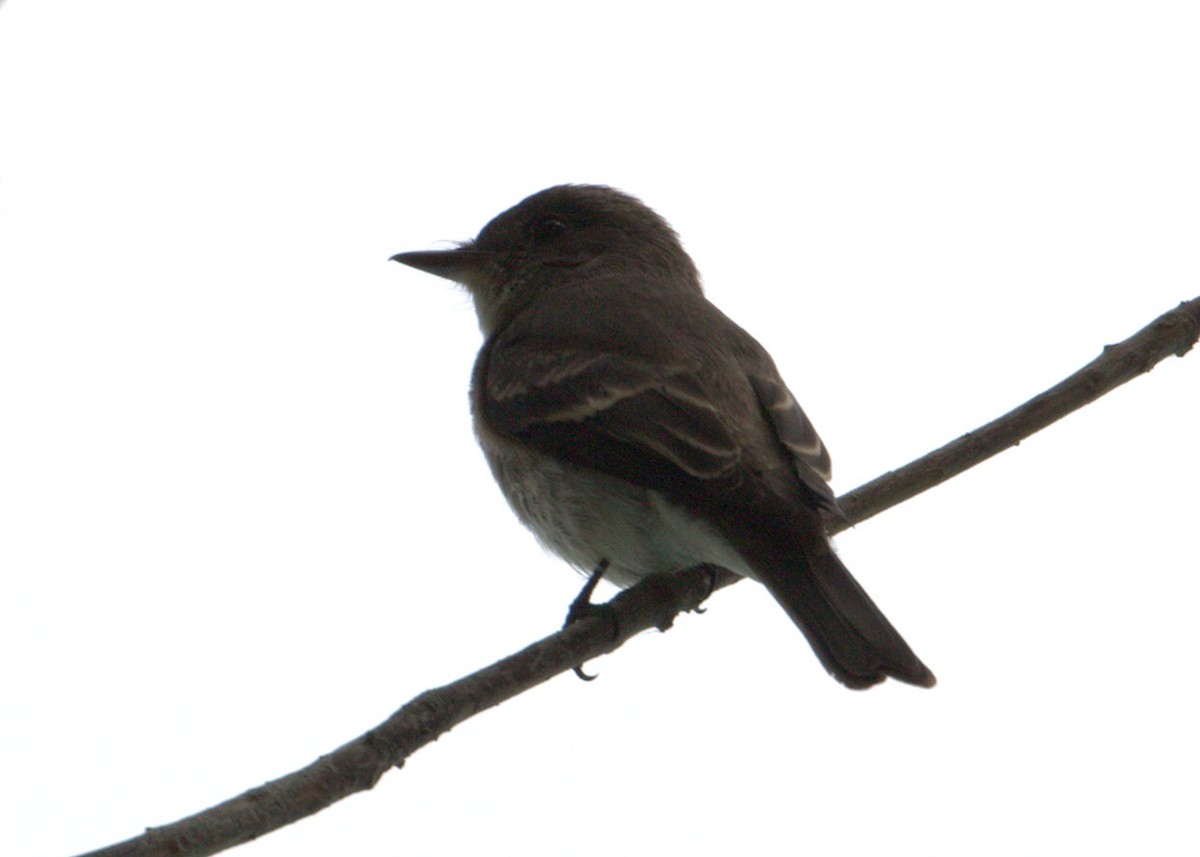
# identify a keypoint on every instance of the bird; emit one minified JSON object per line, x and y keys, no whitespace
{"x":637,"y":430}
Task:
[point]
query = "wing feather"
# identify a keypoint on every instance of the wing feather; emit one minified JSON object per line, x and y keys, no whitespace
{"x":660,"y":410}
{"x":799,"y":437}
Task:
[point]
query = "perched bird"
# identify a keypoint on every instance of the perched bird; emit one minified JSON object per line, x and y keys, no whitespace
{"x":634,"y":428}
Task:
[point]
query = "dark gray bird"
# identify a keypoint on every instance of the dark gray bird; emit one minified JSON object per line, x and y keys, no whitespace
{"x":631,"y":424}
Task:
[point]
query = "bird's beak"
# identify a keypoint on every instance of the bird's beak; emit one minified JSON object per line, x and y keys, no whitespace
{"x":462,"y":264}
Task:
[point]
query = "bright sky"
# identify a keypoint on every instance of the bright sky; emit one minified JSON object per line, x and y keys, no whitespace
{"x":243,"y":518}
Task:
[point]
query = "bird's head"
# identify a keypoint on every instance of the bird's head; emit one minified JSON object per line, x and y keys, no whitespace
{"x":559,"y":236}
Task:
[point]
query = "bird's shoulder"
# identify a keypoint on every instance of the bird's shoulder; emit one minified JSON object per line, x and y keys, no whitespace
{"x":662,"y":391}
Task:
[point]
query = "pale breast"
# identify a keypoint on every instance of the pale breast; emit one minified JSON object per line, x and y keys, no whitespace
{"x":585,"y":516}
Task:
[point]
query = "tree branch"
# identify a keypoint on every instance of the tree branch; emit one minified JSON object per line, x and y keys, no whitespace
{"x":359,"y":764}
{"x":1173,"y":332}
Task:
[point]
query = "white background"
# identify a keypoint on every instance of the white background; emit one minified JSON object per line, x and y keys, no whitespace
{"x":242,"y":516}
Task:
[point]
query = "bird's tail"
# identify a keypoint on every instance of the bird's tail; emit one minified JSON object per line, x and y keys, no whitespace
{"x":851,"y":636}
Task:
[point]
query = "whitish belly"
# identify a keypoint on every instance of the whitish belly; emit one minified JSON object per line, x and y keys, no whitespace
{"x":585,"y":516}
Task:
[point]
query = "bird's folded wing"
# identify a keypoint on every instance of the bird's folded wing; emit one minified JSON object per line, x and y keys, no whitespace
{"x":644,"y":422}
{"x":799,"y":437}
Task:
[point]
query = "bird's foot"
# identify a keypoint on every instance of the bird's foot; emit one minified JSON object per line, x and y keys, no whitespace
{"x":583,"y":608}
{"x":711,"y":571}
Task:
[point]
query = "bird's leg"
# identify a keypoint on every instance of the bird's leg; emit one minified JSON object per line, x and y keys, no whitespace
{"x":711,"y":571}
{"x":583,"y":608}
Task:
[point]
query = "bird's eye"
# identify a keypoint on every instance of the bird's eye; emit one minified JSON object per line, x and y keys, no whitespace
{"x":547,"y":227}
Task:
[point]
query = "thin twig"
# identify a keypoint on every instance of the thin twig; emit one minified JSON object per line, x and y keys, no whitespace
{"x":358,"y":765}
{"x":1173,"y":332}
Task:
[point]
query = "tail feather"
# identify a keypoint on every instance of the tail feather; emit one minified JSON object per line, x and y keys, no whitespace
{"x":850,"y":635}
